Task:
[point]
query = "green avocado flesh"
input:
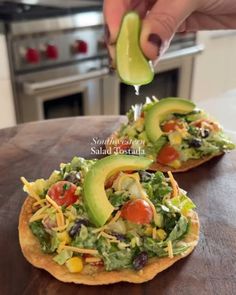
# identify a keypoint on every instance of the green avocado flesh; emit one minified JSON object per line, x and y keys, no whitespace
{"x":161,"y":110}
{"x":132,"y":66}
{"x":98,"y":206}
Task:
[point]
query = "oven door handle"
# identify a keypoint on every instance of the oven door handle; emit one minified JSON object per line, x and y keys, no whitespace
{"x":35,"y":87}
{"x":190,"y":51}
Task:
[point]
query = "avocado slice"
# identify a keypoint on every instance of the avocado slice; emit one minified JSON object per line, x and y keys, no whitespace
{"x":161,"y":110}
{"x":98,"y":206}
{"x":132,"y":66}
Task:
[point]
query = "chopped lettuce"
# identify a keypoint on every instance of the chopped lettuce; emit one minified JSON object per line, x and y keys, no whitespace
{"x":118,"y":198}
{"x":221,"y":141}
{"x":63,"y":256}
{"x":157,"y":188}
{"x":85,"y":240}
{"x":208,"y":148}
{"x":179,"y":230}
{"x":155,"y":148}
{"x":189,"y":153}
{"x":41,"y":186}
{"x":77,"y":164}
{"x":153,"y":247}
{"x":118,"y":259}
{"x":44,"y":238}
{"x":182,"y":203}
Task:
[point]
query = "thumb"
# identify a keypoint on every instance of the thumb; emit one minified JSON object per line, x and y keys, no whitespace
{"x":161,"y":23}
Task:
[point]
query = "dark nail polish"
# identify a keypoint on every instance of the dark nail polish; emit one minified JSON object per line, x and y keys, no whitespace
{"x":156,"y":41}
{"x":107,"y":34}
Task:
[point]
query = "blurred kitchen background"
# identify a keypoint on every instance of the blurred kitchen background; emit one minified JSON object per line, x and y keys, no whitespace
{"x":54,"y":63}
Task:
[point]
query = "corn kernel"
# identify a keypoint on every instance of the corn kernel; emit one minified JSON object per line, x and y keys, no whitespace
{"x":175,"y":164}
{"x":74,"y":264}
{"x":139,"y":124}
{"x":148,"y":231}
{"x":175,"y":138}
{"x":64,"y":237}
{"x":161,"y":234}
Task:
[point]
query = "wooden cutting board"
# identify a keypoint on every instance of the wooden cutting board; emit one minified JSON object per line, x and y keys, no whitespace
{"x":33,"y":150}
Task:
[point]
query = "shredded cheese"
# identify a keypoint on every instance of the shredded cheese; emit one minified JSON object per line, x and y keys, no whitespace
{"x":170,"y":249}
{"x":81,"y":250}
{"x":31,"y":192}
{"x":154,"y":233}
{"x":60,"y":220}
{"x":39,"y":214}
{"x":92,"y":259}
{"x":110,"y":237}
{"x":37,"y":217}
{"x":61,"y":228}
{"x":173,"y":184}
{"x":61,"y":246}
{"x":41,"y":210}
{"x":40,"y":203}
{"x":113,"y":220}
{"x":155,"y":217}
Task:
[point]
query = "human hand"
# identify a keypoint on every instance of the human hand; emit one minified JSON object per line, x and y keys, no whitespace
{"x":162,"y":18}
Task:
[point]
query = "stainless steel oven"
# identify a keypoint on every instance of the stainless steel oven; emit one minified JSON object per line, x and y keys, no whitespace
{"x":58,"y":63}
{"x":70,"y":91}
{"x":173,"y":77}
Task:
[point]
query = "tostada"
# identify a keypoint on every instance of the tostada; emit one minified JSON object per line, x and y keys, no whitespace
{"x":173,"y":132}
{"x":104,"y":221}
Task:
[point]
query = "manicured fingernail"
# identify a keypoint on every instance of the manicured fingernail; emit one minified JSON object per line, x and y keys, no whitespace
{"x":134,"y":4}
{"x":155,"y":40}
{"x":107,"y":34}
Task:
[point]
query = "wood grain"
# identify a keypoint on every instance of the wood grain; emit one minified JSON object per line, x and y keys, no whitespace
{"x":35,"y":149}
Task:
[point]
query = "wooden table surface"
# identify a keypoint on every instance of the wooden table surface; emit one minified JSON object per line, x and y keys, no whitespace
{"x":34,"y":150}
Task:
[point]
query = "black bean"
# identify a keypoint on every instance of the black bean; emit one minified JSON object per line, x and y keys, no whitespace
{"x":140,"y":260}
{"x":205,"y":133}
{"x":145,"y":176}
{"x":195,"y":143}
{"x":73,"y":177}
{"x":119,"y":237}
{"x":77,"y":227}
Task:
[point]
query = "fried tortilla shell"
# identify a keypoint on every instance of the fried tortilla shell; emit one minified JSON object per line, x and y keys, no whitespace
{"x":188,"y":165}
{"x":92,"y":275}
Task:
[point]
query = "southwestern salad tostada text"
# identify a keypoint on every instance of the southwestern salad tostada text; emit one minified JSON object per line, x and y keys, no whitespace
{"x":173,"y":132}
{"x":104,"y":221}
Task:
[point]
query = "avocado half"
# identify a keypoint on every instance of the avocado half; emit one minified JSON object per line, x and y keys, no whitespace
{"x":161,"y":110}
{"x":97,"y":204}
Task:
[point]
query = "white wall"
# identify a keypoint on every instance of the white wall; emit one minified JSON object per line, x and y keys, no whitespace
{"x":7,"y":112}
{"x":215,"y":69}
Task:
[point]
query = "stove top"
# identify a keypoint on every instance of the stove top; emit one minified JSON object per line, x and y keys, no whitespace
{"x":21,"y":10}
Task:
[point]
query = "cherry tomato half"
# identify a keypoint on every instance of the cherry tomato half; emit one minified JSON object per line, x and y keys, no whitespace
{"x":172,"y":125}
{"x":167,"y":154}
{"x":137,"y":211}
{"x":124,"y":146}
{"x":63,"y":193}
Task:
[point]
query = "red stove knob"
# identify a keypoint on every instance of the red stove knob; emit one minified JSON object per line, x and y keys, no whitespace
{"x":81,"y":46}
{"x":52,"y":51}
{"x":32,"y":56}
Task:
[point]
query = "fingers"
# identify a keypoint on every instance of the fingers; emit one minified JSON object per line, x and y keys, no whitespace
{"x":199,"y":21}
{"x":161,"y":23}
{"x":113,"y":12}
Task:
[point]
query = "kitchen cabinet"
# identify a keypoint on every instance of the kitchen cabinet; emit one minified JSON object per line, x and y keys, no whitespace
{"x":215,"y":69}
{"x":7,"y":111}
